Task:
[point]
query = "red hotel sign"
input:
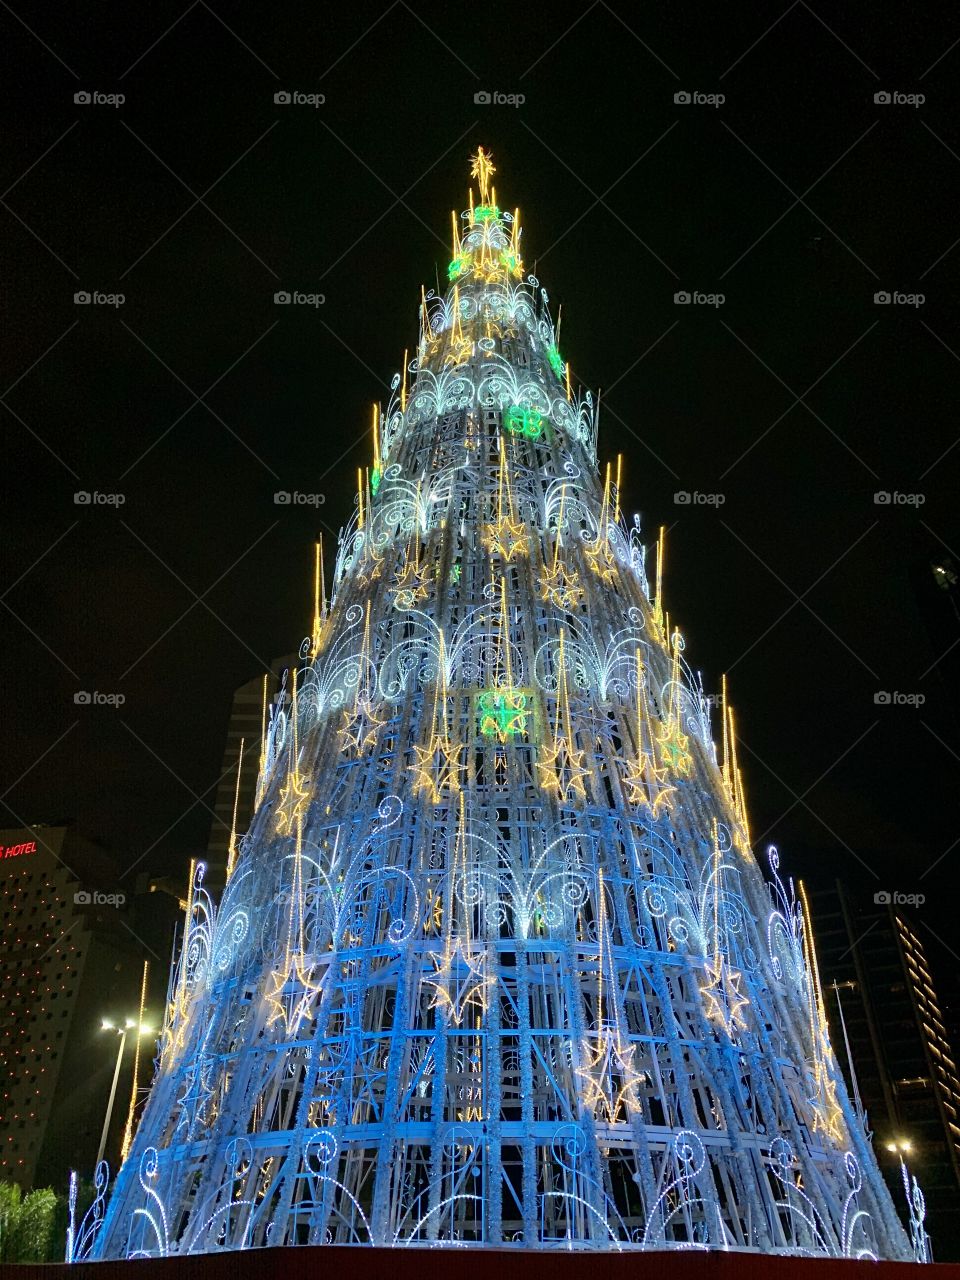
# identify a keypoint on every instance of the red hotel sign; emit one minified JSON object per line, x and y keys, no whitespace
{"x":18,"y":850}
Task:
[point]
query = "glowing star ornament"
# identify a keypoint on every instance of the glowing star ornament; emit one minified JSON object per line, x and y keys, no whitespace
{"x":437,"y":769}
{"x":508,"y":536}
{"x":609,"y":1082}
{"x":411,"y":584}
{"x":460,"y":981}
{"x":361,"y":727}
{"x":561,"y":587}
{"x":294,"y":797}
{"x":561,"y":769}
{"x":482,"y":168}
{"x":437,"y":766}
{"x":724,"y":999}
{"x":647,"y":782}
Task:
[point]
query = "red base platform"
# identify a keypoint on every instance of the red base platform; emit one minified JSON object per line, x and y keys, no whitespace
{"x":364,"y":1263}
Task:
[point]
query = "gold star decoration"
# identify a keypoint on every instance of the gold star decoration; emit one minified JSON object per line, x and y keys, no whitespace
{"x":410,"y":585}
{"x":561,"y":587}
{"x":293,"y":799}
{"x":482,"y":168}
{"x":506,"y":538}
{"x":609,"y":1078}
{"x":458,"y":980}
{"x":647,"y":785}
{"x":360,"y":727}
{"x":723,"y":996}
{"x":563,"y":771}
{"x":437,"y":768}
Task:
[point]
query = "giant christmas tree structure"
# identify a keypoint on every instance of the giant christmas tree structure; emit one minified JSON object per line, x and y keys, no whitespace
{"x":495,"y":963}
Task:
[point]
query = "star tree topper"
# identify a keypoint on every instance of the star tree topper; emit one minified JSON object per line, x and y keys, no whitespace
{"x":481,"y":167}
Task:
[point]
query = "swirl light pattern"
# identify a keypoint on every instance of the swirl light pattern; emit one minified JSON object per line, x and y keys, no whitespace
{"x":495,"y":964}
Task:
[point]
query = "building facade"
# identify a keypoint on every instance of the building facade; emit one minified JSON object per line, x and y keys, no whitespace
{"x":66,"y":963}
{"x":237,"y":789}
{"x":876,"y":974}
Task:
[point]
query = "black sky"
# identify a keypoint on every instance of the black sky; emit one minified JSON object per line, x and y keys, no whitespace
{"x":798,"y":198}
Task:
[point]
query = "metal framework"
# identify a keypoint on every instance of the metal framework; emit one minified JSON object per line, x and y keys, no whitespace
{"x":495,"y":963}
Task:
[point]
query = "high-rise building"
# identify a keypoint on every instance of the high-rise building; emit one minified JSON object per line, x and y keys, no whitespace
{"x":495,"y":964}
{"x":66,"y":963}
{"x":237,"y":788}
{"x":876,"y":974}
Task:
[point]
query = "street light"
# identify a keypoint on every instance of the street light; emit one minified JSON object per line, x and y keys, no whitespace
{"x":900,"y":1146}
{"x":107,"y":1025}
{"x":916,"y":1207}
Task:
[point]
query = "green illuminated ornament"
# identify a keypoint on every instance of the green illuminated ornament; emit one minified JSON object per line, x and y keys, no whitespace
{"x":511,"y":261}
{"x":458,"y":266}
{"x":485,"y":212}
{"x":375,"y":478}
{"x":556,"y":360}
{"x":502,"y":713}
{"x":522,"y":421}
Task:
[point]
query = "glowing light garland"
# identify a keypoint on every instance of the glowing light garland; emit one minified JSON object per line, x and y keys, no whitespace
{"x":495,"y":963}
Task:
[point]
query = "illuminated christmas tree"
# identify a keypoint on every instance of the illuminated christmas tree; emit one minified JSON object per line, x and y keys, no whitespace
{"x":495,"y":963}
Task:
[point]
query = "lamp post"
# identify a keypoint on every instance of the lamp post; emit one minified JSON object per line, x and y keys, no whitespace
{"x":916,"y":1205}
{"x":121,"y":1031}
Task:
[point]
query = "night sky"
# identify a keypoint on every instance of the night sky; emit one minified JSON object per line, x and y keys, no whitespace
{"x":797,"y":399}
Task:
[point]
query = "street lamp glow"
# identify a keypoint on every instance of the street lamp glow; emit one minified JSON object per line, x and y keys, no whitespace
{"x":130,"y":1022}
{"x":106,"y":1025}
{"x":900,"y":1145}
